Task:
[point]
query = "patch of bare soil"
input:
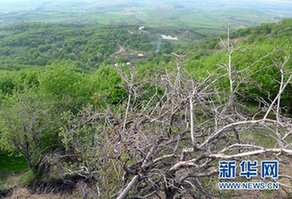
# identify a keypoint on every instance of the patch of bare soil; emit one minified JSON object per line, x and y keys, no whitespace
{"x":71,"y":188}
{"x":81,"y":191}
{"x":24,"y":193}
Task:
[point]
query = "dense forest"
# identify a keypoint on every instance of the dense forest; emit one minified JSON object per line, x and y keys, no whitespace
{"x":106,"y":107}
{"x":86,"y":46}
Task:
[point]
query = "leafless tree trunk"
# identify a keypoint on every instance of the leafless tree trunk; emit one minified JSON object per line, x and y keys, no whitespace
{"x":161,"y":152}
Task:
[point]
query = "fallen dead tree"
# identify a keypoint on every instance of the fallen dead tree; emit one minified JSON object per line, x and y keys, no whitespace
{"x":170,"y":143}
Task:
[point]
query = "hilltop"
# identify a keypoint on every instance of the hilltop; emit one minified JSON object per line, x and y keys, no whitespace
{"x":94,"y":110}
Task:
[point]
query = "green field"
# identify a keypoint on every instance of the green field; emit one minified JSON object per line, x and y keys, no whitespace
{"x":160,"y":13}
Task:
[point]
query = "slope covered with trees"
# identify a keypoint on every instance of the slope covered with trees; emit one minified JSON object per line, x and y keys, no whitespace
{"x":260,"y":49}
{"x":157,"y":128}
{"x":85,"y":46}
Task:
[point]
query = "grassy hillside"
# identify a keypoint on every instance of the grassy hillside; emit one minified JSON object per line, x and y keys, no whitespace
{"x":258,"y":48}
{"x":252,"y":44}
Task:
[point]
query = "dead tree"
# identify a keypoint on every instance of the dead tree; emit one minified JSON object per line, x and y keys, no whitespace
{"x":170,"y":143}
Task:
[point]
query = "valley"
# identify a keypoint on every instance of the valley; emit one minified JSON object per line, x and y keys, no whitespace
{"x":144,"y":99}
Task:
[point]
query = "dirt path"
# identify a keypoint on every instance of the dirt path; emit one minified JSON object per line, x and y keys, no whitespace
{"x":120,"y":51}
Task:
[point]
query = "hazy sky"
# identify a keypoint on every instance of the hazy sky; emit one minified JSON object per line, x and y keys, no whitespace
{"x":117,"y":1}
{"x":12,"y":5}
